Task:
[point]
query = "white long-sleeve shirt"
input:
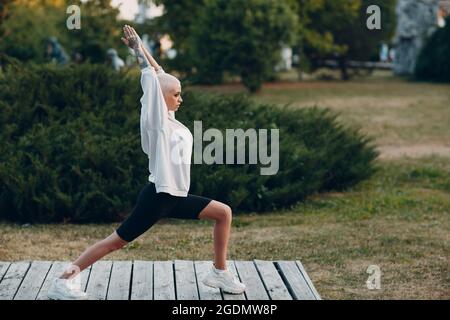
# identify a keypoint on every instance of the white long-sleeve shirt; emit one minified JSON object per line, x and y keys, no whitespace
{"x":165,"y":140}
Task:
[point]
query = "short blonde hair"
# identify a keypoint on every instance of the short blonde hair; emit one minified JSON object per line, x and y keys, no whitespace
{"x":167,"y":82}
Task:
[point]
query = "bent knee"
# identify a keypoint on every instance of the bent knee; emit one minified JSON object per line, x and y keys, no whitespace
{"x":227,"y":213}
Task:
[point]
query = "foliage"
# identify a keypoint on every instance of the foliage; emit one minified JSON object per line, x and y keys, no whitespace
{"x":241,"y":38}
{"x":433,"y":62}
{"x":337,"y":29}
{"x":71,"y":147}
{"x":28,"y":25}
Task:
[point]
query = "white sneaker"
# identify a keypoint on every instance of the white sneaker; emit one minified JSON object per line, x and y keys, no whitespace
{"x":224,"y":280}
{"x":66,"y":289}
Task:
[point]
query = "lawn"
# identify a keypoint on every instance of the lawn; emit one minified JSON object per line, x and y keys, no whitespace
{"x":406,"y":118}
{"x":398,"y":220}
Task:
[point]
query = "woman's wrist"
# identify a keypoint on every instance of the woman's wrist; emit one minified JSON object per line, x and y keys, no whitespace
{"x":150,"y":59}
{"x":142,"y":60}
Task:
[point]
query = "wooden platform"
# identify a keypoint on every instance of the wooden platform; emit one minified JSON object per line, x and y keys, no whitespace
{"x":159,"y":280}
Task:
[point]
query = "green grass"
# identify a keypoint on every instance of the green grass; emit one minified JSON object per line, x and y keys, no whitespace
{"x":395,"y":112}
{"x":398,"y":220}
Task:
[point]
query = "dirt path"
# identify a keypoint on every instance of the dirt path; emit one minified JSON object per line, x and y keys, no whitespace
{"x":413,"y":151}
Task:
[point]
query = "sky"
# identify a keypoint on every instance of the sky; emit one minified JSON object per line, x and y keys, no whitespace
{"x":129,"y":9}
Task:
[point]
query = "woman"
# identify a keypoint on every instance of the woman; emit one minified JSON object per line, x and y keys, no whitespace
{"x":168,"y":144}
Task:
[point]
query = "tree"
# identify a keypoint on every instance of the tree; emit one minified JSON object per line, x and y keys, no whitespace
{"x":323,"y":29}
{"x":100,"y":31}
{"x":25,"y":27}
{"x":338,"y":29}
{"x":433,"y":62}
{"x":316,"y":39}
{"x":241,"y":38}
{"x":177,"y":21}
{"x":28,"y":24}
{"x":363,"y":44}
{"x":4,"y":9}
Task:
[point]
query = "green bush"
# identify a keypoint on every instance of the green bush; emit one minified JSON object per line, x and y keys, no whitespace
{"x":433,"y":62}
{"x":316,"y":153}
{"x":71,"y":147}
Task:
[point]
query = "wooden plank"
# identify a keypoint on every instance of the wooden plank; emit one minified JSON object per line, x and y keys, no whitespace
{"x":229,"y":296}
{"x":97,"y":286}
{"x":249,"y":276}
{"x":308,"y":280}
{"x":33,"y":281}
{"x":295,"y":281}
{"x":185,"y":282}
{"x":3,"y":268}
{"x":272,"y":280}
{"x":119,"y":283}
{"x":163,"y":282}
{"x":22,"y":280}
{"x":202,"y":268}
{"x":85,"y":274}
{"x":142,"y":287}
{"x":12,"y":279}
{"x":142,"y":280}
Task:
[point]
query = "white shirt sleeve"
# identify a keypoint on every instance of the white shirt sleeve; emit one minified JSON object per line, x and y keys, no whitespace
{"x":154,"y":109}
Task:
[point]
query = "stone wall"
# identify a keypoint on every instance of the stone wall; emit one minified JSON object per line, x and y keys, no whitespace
{"x":416,"y":20}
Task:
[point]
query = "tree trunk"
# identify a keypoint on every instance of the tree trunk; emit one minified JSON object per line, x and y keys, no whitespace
{"x":343,"y":66}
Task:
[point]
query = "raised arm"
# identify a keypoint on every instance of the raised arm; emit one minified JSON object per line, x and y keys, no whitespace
{"x":147,"y":54}
{"x":133,"y":41}
{"x":154,"y":113}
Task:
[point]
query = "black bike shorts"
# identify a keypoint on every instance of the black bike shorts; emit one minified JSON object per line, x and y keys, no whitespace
{"x":152,"y":206}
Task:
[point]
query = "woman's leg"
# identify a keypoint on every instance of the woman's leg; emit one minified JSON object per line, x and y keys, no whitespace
{"x":146,"y":213}
{"x":222,"y":215}
{"x":94,"y":253}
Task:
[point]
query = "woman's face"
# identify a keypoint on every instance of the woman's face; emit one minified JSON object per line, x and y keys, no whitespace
{"x":173,"y":98}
